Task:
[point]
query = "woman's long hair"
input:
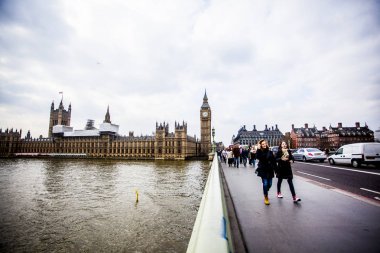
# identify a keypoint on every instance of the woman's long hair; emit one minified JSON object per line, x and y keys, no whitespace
{"x":261,"y":141}
{"x":280,"y":146}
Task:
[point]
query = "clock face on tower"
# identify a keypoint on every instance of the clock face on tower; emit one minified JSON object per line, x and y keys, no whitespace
{"x":205,"y":114}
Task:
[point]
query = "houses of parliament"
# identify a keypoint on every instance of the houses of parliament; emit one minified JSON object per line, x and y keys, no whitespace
{"x":105,"y":142}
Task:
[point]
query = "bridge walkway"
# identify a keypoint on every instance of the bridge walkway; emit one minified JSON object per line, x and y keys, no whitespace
{"x":324,"y":221}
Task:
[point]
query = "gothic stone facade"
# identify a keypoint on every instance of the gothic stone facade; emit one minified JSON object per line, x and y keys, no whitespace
{"x":205,"y":119}
{"x":9,"y":141}
{"x":59,"y":116}
{"x":106,"y":142}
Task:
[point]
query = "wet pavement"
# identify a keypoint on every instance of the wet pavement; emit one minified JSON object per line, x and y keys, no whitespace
{"x":326,"y":220}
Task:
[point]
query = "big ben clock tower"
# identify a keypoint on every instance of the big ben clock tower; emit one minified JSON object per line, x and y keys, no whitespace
{"x":205,"y":115}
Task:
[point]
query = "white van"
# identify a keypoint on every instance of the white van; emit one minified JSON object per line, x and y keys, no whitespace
{"x":357,"y":154}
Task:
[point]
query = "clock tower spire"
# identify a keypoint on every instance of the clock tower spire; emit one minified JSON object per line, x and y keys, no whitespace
{"x":205,"y":118}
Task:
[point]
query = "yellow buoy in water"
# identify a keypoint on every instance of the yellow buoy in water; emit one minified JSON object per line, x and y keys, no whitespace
{"x":137,"y":196}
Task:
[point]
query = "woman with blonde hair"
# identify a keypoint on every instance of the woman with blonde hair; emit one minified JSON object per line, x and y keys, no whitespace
{"x":265,"y":168}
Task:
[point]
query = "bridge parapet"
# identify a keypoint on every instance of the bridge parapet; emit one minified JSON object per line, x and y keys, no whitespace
{"x":211,"y":228}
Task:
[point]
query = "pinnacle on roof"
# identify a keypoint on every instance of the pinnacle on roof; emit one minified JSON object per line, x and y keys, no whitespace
{"x":61,"y":104}
{"x":107,"y":118}
{"x":205,"y":101}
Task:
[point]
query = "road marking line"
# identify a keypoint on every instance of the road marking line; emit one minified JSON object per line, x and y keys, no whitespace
{"x":313,"y":175}
{"x":364,"y":189}
{"x":349,"y":194}
{"x":367,"y":172}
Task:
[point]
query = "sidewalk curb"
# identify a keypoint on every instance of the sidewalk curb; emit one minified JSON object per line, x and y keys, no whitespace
{"x":238,"y":241}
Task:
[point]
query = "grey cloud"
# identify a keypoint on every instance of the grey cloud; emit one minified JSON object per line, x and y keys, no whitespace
{"x":253,"y":57}
{"x":33,"y":29}
{"x":40,"y":16}
{"x":19,"y":96}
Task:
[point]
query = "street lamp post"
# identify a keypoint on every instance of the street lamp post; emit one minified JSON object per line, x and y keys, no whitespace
{"x":213,"y":141}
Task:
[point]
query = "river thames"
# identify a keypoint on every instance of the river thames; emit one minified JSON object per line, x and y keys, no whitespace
{"x":62,"y":205}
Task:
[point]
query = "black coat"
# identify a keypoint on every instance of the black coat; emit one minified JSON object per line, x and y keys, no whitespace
{"x":284,"y":169}
{"x":244,"y":153}
{"x":267,"y":163}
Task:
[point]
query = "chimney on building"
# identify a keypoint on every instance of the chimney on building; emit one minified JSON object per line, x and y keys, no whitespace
{"x":130,"y":133}
{"x":340,"y":125}
{"x":266,"y":128}
{"x":292,"y":126}
{"x":276,"y":128}
{"x":324,"y":129}
{"x":306,"y":125}
{"x":357,"y":124}
{"x":254,"y":127}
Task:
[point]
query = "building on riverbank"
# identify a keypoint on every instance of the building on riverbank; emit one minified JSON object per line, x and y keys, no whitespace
{"x":245,"y":137}
{"x":330,"y":138}
{"x":106,"y":142}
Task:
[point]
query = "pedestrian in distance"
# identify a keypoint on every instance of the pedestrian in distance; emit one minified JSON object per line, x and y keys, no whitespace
{"x":219,"y":153}
{"x":249,"y":155}
{"x":244,"y":155}
{"x":230,"y":157}
{"x":284,"y":170}
{"x":265,"y":168}
{"x":241,"y":150}
{"x":252,"y":154}
{"x":327,"y":152}
{"x":236,"y":152}
{"x":224,"y":155}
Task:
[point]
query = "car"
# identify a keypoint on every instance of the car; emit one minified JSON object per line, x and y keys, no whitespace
{"x":357,"y":154}
{"x":309,"y":154}
{"x":274,"y":149}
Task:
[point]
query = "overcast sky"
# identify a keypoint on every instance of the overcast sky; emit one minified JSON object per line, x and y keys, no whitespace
{"x":261,"y":62}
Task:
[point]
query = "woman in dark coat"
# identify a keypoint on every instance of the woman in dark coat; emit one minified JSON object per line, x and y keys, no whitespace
{"x":265,"y":168}
{"x":284,"y":170}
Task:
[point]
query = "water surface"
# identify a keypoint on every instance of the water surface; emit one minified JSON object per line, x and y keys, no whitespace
{"x":62,"y":205}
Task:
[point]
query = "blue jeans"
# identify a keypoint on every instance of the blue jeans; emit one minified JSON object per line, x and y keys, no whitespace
{"x":267,"y":184}
{"x":236,"y":161}
{"x":245,"y":161}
